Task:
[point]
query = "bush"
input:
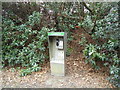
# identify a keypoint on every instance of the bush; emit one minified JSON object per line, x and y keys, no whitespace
{"x":106,"y":28}
{"x":87,"y":23}
{"x":83,"y":41}
{"x":92,"y":55}
{"x":109,"y":25}
{"x":22,"y":44}
{"x":106,"y":53}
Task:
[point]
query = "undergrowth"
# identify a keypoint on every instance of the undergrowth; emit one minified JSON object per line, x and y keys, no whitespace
{"x":107,"y":49}
{"x":23,"y":45}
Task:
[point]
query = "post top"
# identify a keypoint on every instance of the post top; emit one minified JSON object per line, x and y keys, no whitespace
{"x":56,"y":33}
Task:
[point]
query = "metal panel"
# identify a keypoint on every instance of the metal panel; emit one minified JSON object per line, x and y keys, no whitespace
{"x":57,"y":53}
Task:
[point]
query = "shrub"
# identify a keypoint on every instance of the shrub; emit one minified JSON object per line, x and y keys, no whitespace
{"x":106,"y":28}
{"x":92,"y":55}
{"x":106,"y":53}
{"x":23,"y":45}
{"x":83,"y":41}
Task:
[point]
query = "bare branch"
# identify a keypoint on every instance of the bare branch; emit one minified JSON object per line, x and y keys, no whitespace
{"x":88,"y":8}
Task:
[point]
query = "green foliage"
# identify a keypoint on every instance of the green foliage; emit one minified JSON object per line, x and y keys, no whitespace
{"x":69,"y":50}
{"x":34,"y":18}
{"x":111,"y":44}
{"x":115,"y":75}
{"x":24,"y":45}
{"x":92,"y":55}
{"x":25,"y":72}
{"x":70,"y":38}
{"x":12,"y":69}
{"x":108,"y":25}
{"x":28,"y":71}
{"x":83,"y":41}
{"x":87,"y":23}
{"x":106,"y":53}
{"x":25,"y":33}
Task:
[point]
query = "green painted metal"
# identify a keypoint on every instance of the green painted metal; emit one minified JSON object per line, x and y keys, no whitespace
{"x":55,"y":33}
